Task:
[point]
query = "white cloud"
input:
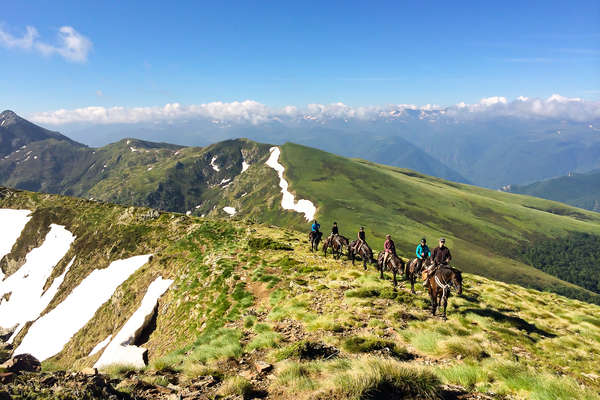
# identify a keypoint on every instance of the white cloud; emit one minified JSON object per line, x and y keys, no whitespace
{"x":252,"y":112}
{"x":25,"y":42}
{"x":489,"y":101}
{"x":72,"y":45}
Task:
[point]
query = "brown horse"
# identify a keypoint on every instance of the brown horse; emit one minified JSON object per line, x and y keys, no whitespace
{"x":337,"y":244}
{"x":413,"y":270}
{"x":364,"y":252}
{"x":314,"y":238}
{"x":440,"y":283}
{"x":394,"y":264}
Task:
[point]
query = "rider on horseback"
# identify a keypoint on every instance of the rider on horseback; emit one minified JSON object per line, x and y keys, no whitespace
{"x":422,"y":253}
{"x":316,"y":226}
{"x":441,"y":256}
{"x":360,"y":239}
{"x":334,"y":231}
{"x":389,"y":248}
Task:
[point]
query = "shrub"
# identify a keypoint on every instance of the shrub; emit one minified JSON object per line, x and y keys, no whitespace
{"x":267,"y":243}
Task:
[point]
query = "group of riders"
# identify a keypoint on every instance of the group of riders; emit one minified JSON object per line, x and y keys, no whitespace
{"x":440,"y":255}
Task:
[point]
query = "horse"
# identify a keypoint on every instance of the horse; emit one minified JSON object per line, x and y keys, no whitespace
{"x":314,"y":238}
{"x":364,"y":252}
{"x":337,"y":244}
{"x":440,"y":283}
{"x":394,"y":264}
{"x":413,"y":270}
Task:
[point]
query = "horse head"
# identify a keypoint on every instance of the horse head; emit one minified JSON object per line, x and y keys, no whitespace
{"x":457,"y":280}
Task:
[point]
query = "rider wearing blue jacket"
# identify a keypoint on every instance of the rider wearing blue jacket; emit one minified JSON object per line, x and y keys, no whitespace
{"x":316,"y":226}
{"x":422,"y":252}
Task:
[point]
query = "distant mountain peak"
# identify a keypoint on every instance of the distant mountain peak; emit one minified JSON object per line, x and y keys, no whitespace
{"x":8,"y":117}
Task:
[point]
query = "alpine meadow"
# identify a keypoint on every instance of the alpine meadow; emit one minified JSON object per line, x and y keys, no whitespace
{"x":299,"y":200}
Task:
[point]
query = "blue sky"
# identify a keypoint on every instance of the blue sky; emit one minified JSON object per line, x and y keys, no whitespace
{"x":279,"y":53}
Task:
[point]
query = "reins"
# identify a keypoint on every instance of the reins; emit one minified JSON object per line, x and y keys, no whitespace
{"x":445,"y":286}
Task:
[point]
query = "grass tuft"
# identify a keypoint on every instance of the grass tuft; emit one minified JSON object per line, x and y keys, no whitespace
{"x":236,"y":385}
{"x":385,"y":378}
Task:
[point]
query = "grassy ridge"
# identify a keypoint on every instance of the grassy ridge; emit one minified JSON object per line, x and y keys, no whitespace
{"x":579,"y":190}
{"x":332,"y":331}
{"x":484,"y":227}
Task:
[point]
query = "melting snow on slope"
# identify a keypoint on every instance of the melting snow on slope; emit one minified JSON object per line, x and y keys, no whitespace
{"x":13,"y":222}
{"x":49,"y":334}
{"x":229,"y":210}
{"x":224,"y":181}
{"x":287,"y":202}
{"x":26,"y":286}
{"x":245,"y":166}
{"x":213,"y":165}
{"x":121,"y":349}
{"x":100,"y":346}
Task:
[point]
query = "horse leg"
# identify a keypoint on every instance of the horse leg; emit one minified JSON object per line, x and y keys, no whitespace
{"x":433,"y":300}
{"x":395,"y":281}
{"x":413,"y":278}
{"x":445,"y":301}
{"x":380,"y":271}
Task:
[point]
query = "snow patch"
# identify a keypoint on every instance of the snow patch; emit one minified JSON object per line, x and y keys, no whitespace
{"x":213,"y":165}
{"x":245,"y":166}
{"x":188,"y":213}
{"x":49,"y":334}
{"x":133,"y":149}
{"x":149,"y":168}
{"x":13,"y":222}
{"x":26,"y":286}
{"x":121,"y":349}
{"x":229,"y":210}
{"x":287,"y":202}
{"x":224,"y":181}
{"x":100,"y":346}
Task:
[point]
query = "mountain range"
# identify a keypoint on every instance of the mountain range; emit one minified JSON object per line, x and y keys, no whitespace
{"x":209,"y":289}
{"x":579,"y":190}
{"x":489,"y":231}
{"x":493,"y":147}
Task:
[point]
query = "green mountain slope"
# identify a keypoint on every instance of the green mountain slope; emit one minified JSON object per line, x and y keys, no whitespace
{"x":487,"y":230}
{"x":16,"y":133}
{"x":579,"y":190}
{"x":490,"y":232}
{"x":245,"y":294}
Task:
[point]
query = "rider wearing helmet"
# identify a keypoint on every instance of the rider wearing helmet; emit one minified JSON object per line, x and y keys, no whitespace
{"x":361,"y":238}
{"x":316,"y":226}
{"x":334,"y":230}
{"x":422,"y":253}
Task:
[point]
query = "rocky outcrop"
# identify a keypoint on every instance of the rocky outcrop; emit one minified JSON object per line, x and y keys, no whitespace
{"x":22,"y":363}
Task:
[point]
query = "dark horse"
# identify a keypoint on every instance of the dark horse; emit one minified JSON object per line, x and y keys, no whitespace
{"x":364,"y":252}
{"x":439,"y":286}
{"x":314,"y":238}
{"x":413,"y":270}
{"x":394,"y":264}
{"x":337,"y":244}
